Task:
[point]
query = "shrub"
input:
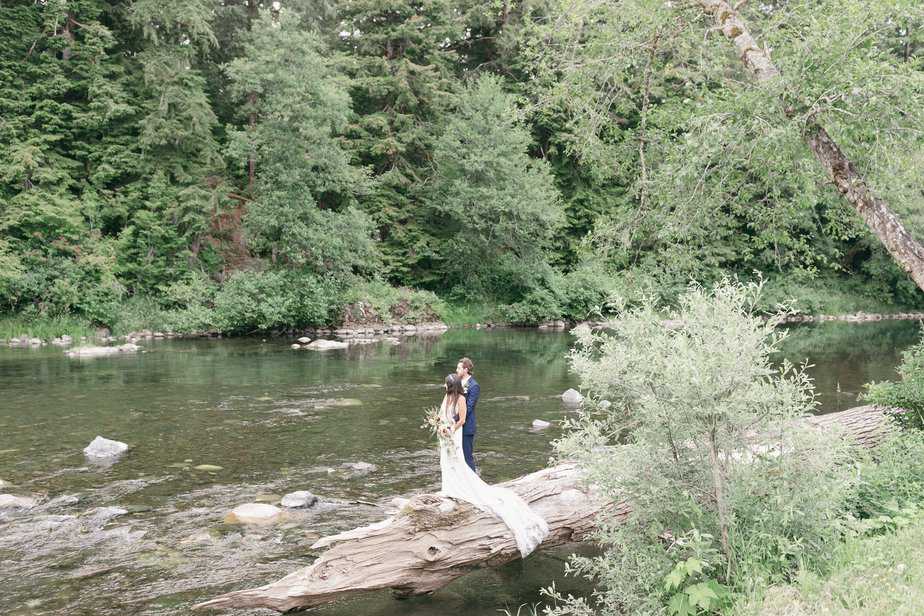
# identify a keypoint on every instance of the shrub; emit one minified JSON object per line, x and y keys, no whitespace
{"x":907,"y":393}
{"x":378,"y":302}
{"x":254,"y":301}
{"x":701,"y":439}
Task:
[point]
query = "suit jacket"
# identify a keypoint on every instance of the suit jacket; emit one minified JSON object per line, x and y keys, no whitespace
{"x":471,"y":399}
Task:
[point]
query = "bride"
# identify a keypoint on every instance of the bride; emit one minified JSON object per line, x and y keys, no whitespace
{"x":461,"y":482}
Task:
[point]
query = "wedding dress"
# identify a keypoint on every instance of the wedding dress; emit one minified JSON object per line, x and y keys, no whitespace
{"x":461,"y":482}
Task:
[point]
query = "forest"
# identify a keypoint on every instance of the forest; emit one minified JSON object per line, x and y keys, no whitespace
{"x":238,"y":166}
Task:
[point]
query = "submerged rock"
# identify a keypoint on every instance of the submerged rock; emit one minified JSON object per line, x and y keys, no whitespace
{"x":8,"y":501}
{"x":102,"y":351}
{"x":65,"y":500}
{"x":540,"y":424}
{"x":104,"y":448}
{"x":572,"y":397}
{"x":361,"y":467}
{"x":299,"y":500}
{"x":327,"y":345}
{"x":97,"y":517}
{"x":208,"y":467}
{"x":253,"y":513}
{"x":272,"y":499}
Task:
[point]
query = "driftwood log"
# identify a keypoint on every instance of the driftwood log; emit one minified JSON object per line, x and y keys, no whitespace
{"x":433,"y":540}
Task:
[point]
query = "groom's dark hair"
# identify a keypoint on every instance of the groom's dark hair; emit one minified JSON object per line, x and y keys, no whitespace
{"x":467,"y":364}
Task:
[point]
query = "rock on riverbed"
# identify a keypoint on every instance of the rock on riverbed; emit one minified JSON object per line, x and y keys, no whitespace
{"x":299,"y":500}
{"x":102,"y":351}
{"x":105,"y":448}
{"x":8,"y":501}
{"x":326,"y":345}
{"x":253,"y":513}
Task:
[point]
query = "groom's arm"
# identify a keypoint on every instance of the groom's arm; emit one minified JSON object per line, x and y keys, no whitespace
{"x":473,"y":392}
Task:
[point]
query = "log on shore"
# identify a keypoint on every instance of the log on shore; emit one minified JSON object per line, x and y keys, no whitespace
{"x":433,"y":540}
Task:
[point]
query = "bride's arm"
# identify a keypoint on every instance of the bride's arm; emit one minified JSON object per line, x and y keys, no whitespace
{"x":462,"y":409}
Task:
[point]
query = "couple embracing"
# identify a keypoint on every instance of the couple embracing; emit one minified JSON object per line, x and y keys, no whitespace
{"x":457,"y":464}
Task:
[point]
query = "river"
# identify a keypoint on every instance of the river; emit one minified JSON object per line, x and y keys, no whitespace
{"x":277,"y":420}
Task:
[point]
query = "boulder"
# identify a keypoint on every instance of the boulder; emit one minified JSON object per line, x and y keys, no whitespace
{"x":104,"y":448}
{"x":299,"y":500}
{"x":8,"y":501}
{"x":296,"y":346}
{"x":572,"y":397}
{"x":304,"y":340}
{"x":540,"y":424}
{"x":103,"y":351}
{"x":326,"y":345}
{"x":253,"y":513}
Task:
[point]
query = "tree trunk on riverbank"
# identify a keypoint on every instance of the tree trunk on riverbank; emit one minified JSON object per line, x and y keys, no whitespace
{"x":434,"y":540}
{"x":884,"y":224}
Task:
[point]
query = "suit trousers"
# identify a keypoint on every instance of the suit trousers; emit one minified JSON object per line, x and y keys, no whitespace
{"x":468,"y":444}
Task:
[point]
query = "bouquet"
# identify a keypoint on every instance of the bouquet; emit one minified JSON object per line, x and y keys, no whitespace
{"x":434,"y":422}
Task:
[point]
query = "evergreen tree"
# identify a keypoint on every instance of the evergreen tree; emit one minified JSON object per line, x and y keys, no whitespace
{"x":303,"y":213}
{"x":498,"y":208}
{"x":399,"y":56}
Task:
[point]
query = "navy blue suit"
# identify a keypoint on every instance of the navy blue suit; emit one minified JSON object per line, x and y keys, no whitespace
{"x":468,"y":428}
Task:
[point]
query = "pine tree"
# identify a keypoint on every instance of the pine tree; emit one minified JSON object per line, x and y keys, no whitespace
{"x":498,"y":208}
{"x":303,"y":212}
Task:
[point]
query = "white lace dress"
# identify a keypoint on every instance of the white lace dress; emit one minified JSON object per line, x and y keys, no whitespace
{"x":461,"y":482}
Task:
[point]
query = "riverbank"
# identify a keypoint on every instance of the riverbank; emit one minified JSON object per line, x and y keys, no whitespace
{"x":18,"y":332}
{"x":873,"y":576}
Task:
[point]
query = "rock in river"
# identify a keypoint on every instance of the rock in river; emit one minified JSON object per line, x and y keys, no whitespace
{"x":8,"y":501}
{"x":539,"y":424}
{"x":326,"y":345}
{"x":105,"y":448}
{"x":361,"y":467}
{"x":572,"y":397}
{"x":299,"y":500}
{"x":253,"y":513}
{"x":208,"y":467}
{"x":102,"y":351}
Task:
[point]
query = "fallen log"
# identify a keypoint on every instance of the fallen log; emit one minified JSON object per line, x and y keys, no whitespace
{"x":433,"y":540}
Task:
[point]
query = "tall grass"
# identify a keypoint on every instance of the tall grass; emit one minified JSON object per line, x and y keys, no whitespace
{"x":45,"y":327}
{"x":470,"y":313}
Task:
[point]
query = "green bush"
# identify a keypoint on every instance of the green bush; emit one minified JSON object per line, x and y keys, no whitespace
{"x":256,"y":301}
{"x":680,"y":443}
{"x":906,"y":393}
{"x":538,"y":305}
{"x":378,"y":302}
{"x":890,"y":477}
{"x":871,"y":576}
{"x":576,"y":296}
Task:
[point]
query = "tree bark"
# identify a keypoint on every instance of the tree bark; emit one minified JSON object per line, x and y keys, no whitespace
{"x":883,"y":223}
{"x":433,"y":540}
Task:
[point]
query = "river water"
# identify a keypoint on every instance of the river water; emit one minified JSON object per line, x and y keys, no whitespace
{"x":277,"y":420}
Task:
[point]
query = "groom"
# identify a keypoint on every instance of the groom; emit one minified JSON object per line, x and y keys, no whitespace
{"x":471,"y":390}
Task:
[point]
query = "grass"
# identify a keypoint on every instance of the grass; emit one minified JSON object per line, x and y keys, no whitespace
{"x":829,"y":296}
{"x":873,"y":576}
{"x":45,"y":327}
{"x":469,"y":313}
